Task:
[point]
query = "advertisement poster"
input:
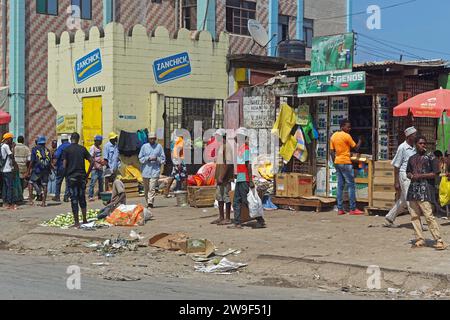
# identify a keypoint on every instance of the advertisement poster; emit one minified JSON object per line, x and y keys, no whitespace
{"x":332,"y":54}
{"x":66,"y":124}
{"x":332,"y":85}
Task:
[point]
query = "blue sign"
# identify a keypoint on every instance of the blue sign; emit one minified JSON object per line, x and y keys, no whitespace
{"x":88,"y":66}
{"x":171,"y":68}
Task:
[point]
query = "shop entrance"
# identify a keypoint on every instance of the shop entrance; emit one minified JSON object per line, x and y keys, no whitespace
{"x":92,"y":120}
{"x":361,"y":117}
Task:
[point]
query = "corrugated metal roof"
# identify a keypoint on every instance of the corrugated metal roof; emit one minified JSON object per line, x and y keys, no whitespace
{"x":437,"y":63}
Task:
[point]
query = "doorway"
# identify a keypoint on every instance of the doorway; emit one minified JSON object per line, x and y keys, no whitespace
{"x":91,"y":120}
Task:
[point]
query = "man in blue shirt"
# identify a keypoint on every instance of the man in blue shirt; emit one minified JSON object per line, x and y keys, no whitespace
{"x":39,"y":170}
{"x":60,"y":169}
{"x":112,"y":161}
{"x":151,"y":157}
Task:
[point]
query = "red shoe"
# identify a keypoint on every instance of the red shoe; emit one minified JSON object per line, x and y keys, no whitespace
{"x":357,"y":213}
{"x":341,"y":212}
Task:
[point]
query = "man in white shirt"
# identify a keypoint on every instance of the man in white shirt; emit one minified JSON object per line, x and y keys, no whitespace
{"x":7,"y":166}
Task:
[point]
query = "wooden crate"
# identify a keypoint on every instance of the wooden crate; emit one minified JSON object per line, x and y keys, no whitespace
{"x":383,"y":204}
{"x":309,"y":202}
{"x":201,"y":197}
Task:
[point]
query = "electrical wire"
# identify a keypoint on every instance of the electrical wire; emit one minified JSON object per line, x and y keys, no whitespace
{"x":375,"y":55}
{"x":381,"y":50}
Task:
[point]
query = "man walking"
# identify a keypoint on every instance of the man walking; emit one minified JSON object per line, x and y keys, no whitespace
{"x":97,"y":173}
{"x":422,"y":170}
{"x":58,"y":158}
{"x":39,"y":170}
{"x":74,"y":158}
{"x":7,"y":166}
{"x":151,"y":157}
{"x":224,"y":175}
{"x":405,"y":151}
{"x":244,"y":179}
{"x":22,"y":155}
{"x":340,"y":145}
{"x":111,"y":157}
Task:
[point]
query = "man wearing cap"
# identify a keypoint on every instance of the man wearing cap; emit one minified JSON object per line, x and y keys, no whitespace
{"x":400,"y":162}
{"x":111,"y":157}
{"x":60,"y":169}
{"x":151,"y":158}
{"x":97,"y":172}
{"x":39,"y":170}
{"x":224,"y":175}
{"x":8,"y":163}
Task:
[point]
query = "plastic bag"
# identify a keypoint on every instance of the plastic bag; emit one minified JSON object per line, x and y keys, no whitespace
{"x":444,"y":191}
{"x":127,"y":215}
{"x":255,"y":205}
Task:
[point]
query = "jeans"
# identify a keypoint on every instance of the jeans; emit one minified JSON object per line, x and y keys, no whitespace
{"x":77,"y":190}
{"x":97,"y":174}
{"x":240,"y":197}
{"x":59,"y":181}
{"x":345,"y":174}
{"x":8,"y":180}
{"x":52,"y":183}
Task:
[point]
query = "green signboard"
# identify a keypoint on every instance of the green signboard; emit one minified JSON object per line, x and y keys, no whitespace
{"x":332,"y":54}
{"x":332,"y":85}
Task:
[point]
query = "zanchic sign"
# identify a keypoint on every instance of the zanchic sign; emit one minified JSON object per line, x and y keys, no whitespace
{"x":88,"y":66}
{"x":171,"y":68}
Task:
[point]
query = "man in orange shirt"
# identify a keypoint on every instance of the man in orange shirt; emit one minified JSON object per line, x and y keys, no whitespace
{"x":340,"y":145}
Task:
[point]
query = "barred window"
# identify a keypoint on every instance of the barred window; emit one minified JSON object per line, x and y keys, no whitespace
{"x":238,"y":14}
{"x":49,"y":7}
{"x":190,"y":14}
{"x":85,"y":8}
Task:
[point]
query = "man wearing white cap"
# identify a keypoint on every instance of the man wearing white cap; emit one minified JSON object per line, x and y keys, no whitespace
{"x":400,"y":162}
{"x":151,"y":158}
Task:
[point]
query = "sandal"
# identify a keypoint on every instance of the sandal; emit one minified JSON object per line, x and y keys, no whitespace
{"x":440,"y":245}
{"x":419,"y":244}
{"x":225,"y":223}
{"x":217,"y":221}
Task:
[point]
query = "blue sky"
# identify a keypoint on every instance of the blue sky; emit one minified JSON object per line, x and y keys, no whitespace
{"x":424,"y":24}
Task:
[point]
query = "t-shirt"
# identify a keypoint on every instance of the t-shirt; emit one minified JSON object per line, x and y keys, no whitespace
{"x":243,"y":156}
{"x":404,"y":152}
{"x":75,"y":156}
{"x":224,"y":163}
{"x":6,"y":152}
{"x":423,"y":189}
{"x":117,"y":189}
{"x":35,"y":159}
{"x":342,"y":143}
{"x":96,"y":153}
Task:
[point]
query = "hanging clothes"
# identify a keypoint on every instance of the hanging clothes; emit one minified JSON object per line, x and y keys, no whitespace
{"x":301,"y":153}
{"x":288,"y":149}
{"x":128,"y":143}
{"x":285,"y":122}
{"x":310,"y":131}
{"x":142,"y":137}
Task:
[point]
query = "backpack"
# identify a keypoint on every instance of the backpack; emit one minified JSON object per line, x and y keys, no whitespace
{"x":43,"y":158}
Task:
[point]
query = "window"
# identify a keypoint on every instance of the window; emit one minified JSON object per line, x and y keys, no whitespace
{"x":156,"y":1}
{"x":49,"y":7}
{"x":308,"y":32}
{"x":190,"y":14}
{"x":85,"y":8}
{"x":283,"y":28}
{"x":238,"y":14}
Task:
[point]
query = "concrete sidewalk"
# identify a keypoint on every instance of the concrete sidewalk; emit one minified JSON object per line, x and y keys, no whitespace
{"x":298,"y":249}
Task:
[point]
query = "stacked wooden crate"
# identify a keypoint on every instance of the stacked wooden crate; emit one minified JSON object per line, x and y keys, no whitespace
{"x":383,"y":196}
{"x":201,"y":197}
{"x":131,"y":187}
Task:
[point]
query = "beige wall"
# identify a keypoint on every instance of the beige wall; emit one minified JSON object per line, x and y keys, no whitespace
{"x":128,"y":73}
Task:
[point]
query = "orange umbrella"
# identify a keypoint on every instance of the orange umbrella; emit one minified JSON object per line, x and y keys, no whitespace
{"x":429,"y":104}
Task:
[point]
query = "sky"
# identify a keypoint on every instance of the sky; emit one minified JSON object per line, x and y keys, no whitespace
{"x":422,"y":24}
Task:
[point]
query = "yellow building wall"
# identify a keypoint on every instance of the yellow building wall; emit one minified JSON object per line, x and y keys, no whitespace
{"x":130,"y":86}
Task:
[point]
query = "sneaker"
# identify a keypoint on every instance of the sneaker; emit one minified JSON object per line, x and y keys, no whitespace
{"x":440,"y":245}
{"x":56,"y":199}
{"x":66,"y":199}
{"x":341,"y":212}
{"x":150,"y":206}
{"x":357,"y":213}
{"x":91,"y":199}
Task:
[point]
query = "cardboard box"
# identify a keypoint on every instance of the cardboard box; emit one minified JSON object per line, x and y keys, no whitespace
{"x":384,"y":174}
{"x":383,"y":204}
{"x":386,"y":196}
{"x":300,"y":185}
{"x":362,"y":191}
{"x":383,"y":181}
{"x":383,"y":165}
{"x":281,"y":182}
{"x":384,"y":188}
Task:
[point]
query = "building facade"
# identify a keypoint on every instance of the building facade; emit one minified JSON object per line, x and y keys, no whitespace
{"x":25,"y":25}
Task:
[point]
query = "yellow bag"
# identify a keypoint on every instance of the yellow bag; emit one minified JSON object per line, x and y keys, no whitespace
{"x":444,"y":191}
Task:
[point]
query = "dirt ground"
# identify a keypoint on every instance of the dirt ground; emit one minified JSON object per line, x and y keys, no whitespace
{"x":297,"y":249}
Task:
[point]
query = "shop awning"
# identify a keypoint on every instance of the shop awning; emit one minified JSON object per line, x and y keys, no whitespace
{"x":5,"y":117}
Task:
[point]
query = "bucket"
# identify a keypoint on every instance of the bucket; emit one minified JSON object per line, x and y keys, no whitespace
{"x":182,"y":198}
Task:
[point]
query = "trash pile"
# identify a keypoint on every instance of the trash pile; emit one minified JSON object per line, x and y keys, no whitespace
{"x":219,"y":266}
{"x":65,"y":221}
{"x":111,"y":247}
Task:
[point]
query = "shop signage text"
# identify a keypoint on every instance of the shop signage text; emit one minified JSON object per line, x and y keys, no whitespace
{"x":88,"y":66}
{"x":86,"y":90}
{"x":258,"y":112}
{"x":332,"y":85}
{"x":171,"y":68}
{"x":66,"y":124}
{"x":332,"y":54}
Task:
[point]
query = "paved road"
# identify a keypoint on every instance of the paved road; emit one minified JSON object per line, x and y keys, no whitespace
{"x":24,"y":277}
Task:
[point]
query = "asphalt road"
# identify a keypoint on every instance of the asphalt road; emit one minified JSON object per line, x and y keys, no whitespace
{"x":25,"y":277}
